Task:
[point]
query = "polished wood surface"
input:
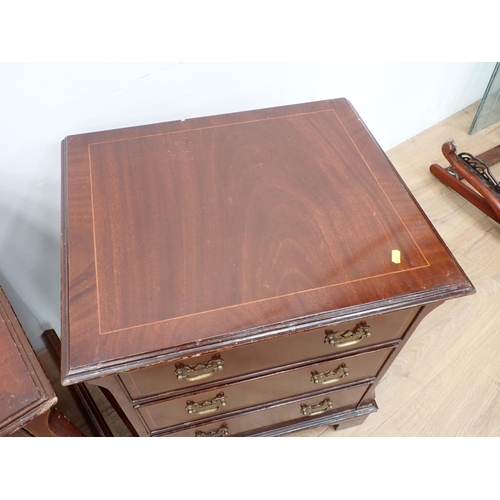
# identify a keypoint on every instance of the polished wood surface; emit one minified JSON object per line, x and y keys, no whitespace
{"x":27,"y":398}
{"x":230,"y":229}
{"x":262,"y":357}
{"x":268,"y":419}
{"x":25,"y":391}
{"x":263,"y":240}
{"x":260,"y":390}
{"x":163,"y":413}
{"x":446,"y":384}
{"x":428,"y":390}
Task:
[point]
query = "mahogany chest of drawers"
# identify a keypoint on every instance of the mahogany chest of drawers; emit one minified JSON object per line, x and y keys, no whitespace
{"x":246,"y":274}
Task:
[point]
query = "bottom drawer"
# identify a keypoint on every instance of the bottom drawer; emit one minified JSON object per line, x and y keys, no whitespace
{"x":277,"y":413}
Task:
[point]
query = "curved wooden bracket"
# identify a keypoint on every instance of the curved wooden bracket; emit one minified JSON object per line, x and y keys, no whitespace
{"x":474,"y":170}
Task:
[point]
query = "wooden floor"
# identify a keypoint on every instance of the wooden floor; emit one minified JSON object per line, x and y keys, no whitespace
{"x":446,"y":381}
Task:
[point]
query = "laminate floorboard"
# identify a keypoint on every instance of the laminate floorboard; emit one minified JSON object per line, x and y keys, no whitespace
{"x":446,"y":380}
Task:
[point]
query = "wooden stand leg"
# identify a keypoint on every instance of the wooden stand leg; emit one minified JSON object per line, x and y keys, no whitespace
{"x":81,"y":395}
{"x":52,"y":424}
{"x":112,"y":401}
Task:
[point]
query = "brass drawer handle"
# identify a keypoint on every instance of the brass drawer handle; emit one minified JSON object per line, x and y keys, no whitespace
{"x":330,"y":377}
{"x":206,"y":406}
{"x":222,"y":431}
{"x":199,"y":371}
{"x":310,"y":410}
{"x":349,"y":337}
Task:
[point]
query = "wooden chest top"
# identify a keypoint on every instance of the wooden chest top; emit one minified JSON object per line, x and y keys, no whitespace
{"x":25,"y":391}
{"x":182,"y":236}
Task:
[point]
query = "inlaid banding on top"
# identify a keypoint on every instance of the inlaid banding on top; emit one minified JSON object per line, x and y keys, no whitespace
{"x":219,"y":217}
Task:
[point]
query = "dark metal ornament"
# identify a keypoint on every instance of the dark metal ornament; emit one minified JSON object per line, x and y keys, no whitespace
{"x":481,"y":170}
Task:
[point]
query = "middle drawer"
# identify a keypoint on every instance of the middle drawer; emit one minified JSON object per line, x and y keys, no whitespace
{"x":262,"y":389}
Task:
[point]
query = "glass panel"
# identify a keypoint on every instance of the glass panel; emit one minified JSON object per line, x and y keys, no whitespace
{"x":488,"y":112}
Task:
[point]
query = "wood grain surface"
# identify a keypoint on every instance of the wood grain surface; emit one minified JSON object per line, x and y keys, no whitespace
{"x":221,"y":230}
{"x":25,"y":391}
{"x":462,"y":383}
{"x":261,"y":390}
{"x":445,"y":382}
{"x":256,"y":358}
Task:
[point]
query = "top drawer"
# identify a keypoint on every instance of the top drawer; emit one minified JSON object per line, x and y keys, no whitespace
{"x":266,"y":355}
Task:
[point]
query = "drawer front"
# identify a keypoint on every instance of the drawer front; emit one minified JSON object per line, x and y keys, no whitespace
{"x":262,"y":390}
{"x":266,"y":355}
{"x":304,"y":408}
